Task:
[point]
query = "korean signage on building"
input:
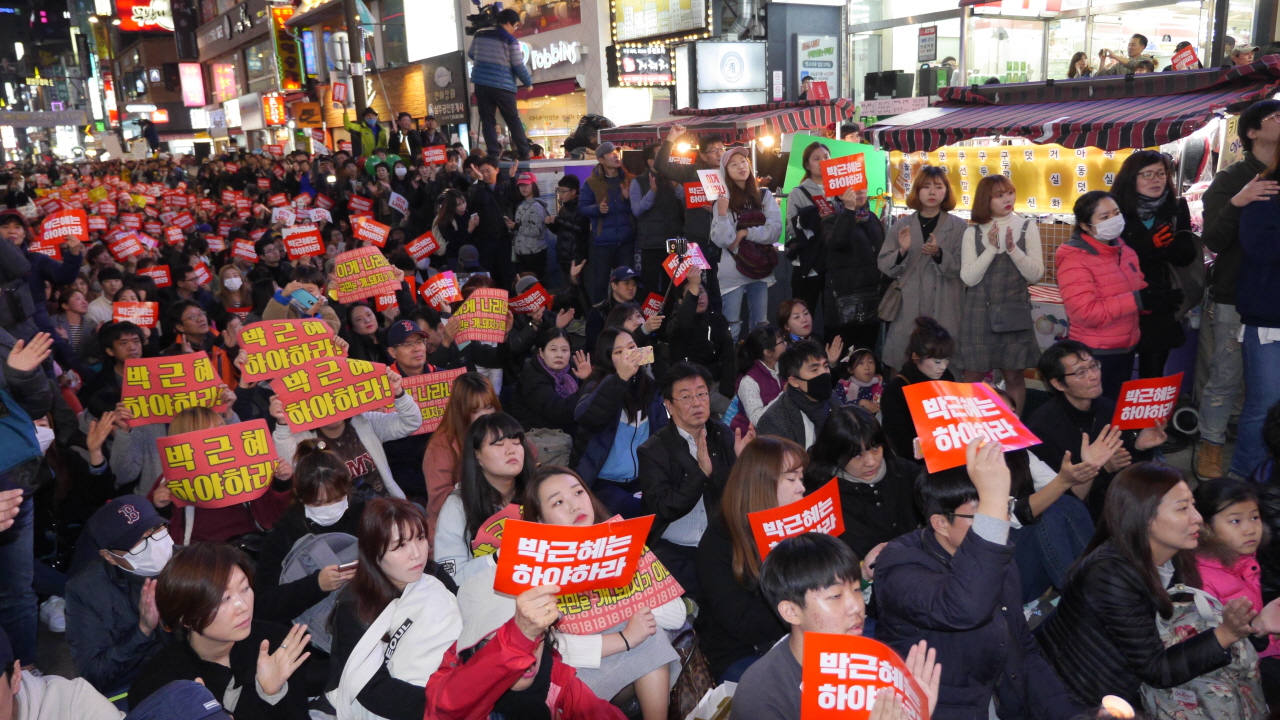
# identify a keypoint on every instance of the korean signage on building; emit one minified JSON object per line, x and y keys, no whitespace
{"x":288,"y":59}
{"x":445,"y":79}
{"x":635,"y":19}
{"x":192,"y":84}
{"x":150,"y":15}
{"x":818,"y":57}
{"x":643,"y":65}
{"x":273,"y":110}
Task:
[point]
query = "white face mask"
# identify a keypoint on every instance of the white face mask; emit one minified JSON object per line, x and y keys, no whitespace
{"x":401,"y":172}
{"x":44,"y":436}
{"x":326,"y":515}
{"x":232,"y":283}
{"x":153,"y":557}
{"x":1109,"y":229}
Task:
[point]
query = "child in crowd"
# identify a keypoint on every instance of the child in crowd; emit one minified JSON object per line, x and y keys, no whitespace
{"x":864,"y":386}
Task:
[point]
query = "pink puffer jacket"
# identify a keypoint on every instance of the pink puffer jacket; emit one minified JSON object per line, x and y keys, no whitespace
{"x":1098,"y":283}
{"x":1242,"y":579}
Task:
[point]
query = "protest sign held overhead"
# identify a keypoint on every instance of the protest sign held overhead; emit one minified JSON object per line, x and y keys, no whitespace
{"x":142,"y":314}
{"x":818,"y":511}
{"x":370,"y":231}
{"x":440,"y":290}
{"x":302,"y":241}
{"x":594,"y":557}
{"x":678,"y":267}
{"x":652,"y":305}
{"x":1144,"y":403}
{"x":948,"y":415}
{"x":274,"y":347}
{"x":326,"y":390}
{"x":363,"y":273}
{"x":483,"y":316}
{"x":432,"y":392}
{"x":422,"y":246}
{"x":156,"y":389}
{"x":434,"y":155}
{"x":218,"y":467}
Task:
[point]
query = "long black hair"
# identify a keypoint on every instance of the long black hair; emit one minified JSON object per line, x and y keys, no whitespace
{"x":1214,"y":496}
{"x":1125,"y":187}
{"x":480,"y":500}
{"x":759,"y":341}
{"x":848,"y":432}
{"x":640,"y":388}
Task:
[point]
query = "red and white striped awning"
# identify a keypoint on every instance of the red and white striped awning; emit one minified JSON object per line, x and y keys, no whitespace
{"x":739,"y":124}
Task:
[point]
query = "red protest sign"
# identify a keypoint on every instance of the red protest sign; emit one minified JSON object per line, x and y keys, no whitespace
{"x":483,"y":317}
{"x":153,"y":227}
{"x":159,"y":274}
{"x":52,"y":248}
{"x":218,"y":467}
{"x":424,"y":245}
{"x":678,"y":269}
{"x":577,"y":559}
{"x":652,"y":305}
{"x":683,"y":158}
{"x":818,"y":90}
{"x":278,"y":200}
{"x":65,"y":225}
{"x":344,"y":145}
{"x":385,"y":301}
{"x":440,"y":290}
{"x":432,"y":392}
{"x":843,"y":673}
{"x":264,"y":184}
{"x":340,"y":92}
{"x":844,"y":173}
{"x":108,"y":209}
{"x":359,"y":204}
{"x":301,"y":241}
{"x":277,"y":150}
{"x":949,"y":415}
{"x":488,"y":537}
{"x":817,"y":512}
{"x":302,"y":200}
{"x":434,"y":155}
{"x":184,"y":220}
{"x":244,"y":248}
{"x":203,"y":275}
{"x":594,"y":611}
{"x":1184,"y":59}
{"x":530,"y":301}
{"x":133,"y":221}
{"x":173,"y":235}
{"x":97,"y":222}
{"x":273,"y":347}
{"x":695,"y":196}
{"x":156,"y":389}
{"x":142,"y":314}
{"x":126,"y":246}
{"x":364,"y":273}
{"x":1143,"y":403}
{"x":323,"y":202}
{"x":326,"y":390}
{"x":371,"y":231}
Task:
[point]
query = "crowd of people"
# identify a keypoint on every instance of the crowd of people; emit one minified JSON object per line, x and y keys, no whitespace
{"x":358,"y":585}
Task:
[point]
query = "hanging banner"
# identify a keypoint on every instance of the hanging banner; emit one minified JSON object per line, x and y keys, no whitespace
{"x":842,"y":174}
{"x":948,"y":415}
{"x":595,"y":557}
{"x":218,"y":467}
{"x":817,"y":512}
{"x":843,"y":673}
{"x":274,"y":347}
{"x":1143,"y":403}
{"x":441,"y":290}
{"x":142,"y":314}
{"x":326,"y":390}
{"x":364,"y":273}
{"x":156,"y":389}
{"x":422,"y":246}
{"x":301,"y":241}
{"x":483,"y":317}
{"x":530,"y":301}
{"x":432,"y":392}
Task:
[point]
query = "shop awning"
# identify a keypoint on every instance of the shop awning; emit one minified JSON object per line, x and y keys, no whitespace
{"x":1109,"y":124}
{"x":739,"y":124}
{"x":546,"y":89}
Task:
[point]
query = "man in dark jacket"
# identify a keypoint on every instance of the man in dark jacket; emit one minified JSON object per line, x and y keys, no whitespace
{"x":659,"y":211}
{"x":41,"y":267}
{"x":407,"y":345}
{"x":954,"y":585}
{"x":499,"y":63}
{"x":799,"y":412}
{"x":622,"y":289}
{"x":572,"y":230}
{"x":698,"y":334}
{"x":492,"y":198}
{"x":683,"y":470}
{"x":113,"y":625}
{"x":405,"y":141}
{"x":697,"y":222}
{"x":606,"y":201}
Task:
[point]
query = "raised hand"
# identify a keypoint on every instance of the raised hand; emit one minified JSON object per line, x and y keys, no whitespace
{"x":722,"y":205}
{"x":28,"y":356}
{"x":1099,"y":451}
{"x":564,"y":317}
{"x":676,"y":131}
{"x":922,"y":662}
{"x":99,"y":431}
{"x":990,"y":475}
{"x":834,"y":348}
{"x":394,"y":379}
{"x":274,"y":669}
{"x":148,"y":614}
{"x":740,"y":441}
{"x":652,"y":323}
{"x":283,"y":469}
{"x":581,"y":365}
{"x":536,"y":610}
{"x":276,"y":408}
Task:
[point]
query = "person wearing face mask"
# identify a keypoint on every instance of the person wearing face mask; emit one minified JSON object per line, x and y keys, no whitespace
{"x":113,"y":626}
{"x":799,"y":412}
{"x":321,"y":504}
{"x":1103,"y":288}
{"x":929,"y":351}
{"x":368,"y":135}
{"x":234,"y":299}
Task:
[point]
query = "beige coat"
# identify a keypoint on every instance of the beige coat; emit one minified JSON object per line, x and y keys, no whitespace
{"x":934,"y":288}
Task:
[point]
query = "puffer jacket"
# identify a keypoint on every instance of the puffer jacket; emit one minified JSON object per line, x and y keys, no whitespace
{"x":1243,"y":578}
{"x":1099,"y":285}
{"x":499,"y":61}
{"x":1169,"y":243}
{"x":531,"y":226}
{"x":1103,"y":639}
{"x":616,"y":226}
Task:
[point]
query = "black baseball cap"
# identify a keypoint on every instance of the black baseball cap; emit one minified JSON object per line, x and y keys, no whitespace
{"x":121,"y":523}
{"x":180,"y":700}
{"x":622,"y":273}
{"x":402,"y":331}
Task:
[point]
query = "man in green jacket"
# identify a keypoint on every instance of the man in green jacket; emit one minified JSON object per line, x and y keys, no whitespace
{"x":371,"y":134}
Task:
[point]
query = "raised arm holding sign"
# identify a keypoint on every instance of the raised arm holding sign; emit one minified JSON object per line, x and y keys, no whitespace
{"x":948,"y":415}
{"x":274,"y":347}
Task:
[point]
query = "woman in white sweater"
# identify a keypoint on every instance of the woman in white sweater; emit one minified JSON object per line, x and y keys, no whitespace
{"x":745,"y":214}
{"x":999,"y":260}
{"x":635,"y":651}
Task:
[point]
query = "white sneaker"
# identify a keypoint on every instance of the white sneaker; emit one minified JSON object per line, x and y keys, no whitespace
{"x":53,"y":612}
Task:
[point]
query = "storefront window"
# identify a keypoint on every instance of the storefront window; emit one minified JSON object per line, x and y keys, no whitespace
{"x":1187,"y":20}
{"x":1240,"y":21}
{"x":225,"y":83}
{"x":898,"y":49}
{"x":1066,"y":38}
{"x":549,"y":120}
{"x":1008,"y":50}
{"x":260,"y":68}
{"x":394,"y":49}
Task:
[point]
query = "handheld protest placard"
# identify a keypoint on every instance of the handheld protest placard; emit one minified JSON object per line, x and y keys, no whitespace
{"x":948,"y":415}
{"x":326,"y":390}
{"x":530,"y":301}
{"x":218,"y":467}
{"x":274,"y":347}
{"x":577,"y":559}
{"x":594,"y":611}
{"x":488,"y":537}
{"x":1143,"y":403}
{"x":841,"y":675}
{"x":142,"y":314}
{"x":818,"y":511}
{"x":440,"y":290}
{"x":156,"y":389}
{"x":483,"y":316}
{"x":432,"y":392}
{"x":842,"y":174}
{"x":363,"y":273}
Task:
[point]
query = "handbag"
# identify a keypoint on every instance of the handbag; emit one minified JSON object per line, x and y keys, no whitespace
{"x":695,"y":676}
{"x":754,"y":260}
{"x":891,"y":303}
{"x":1233,"y":691}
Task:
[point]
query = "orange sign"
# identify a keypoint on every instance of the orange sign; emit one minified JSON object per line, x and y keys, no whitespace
{"x":1143,"y":403}
{"x":577,"y":559}
{"x":530,"y":301}
{"x":359,"y":204}
{"x":441,"y":290}
{"x":156,"y":389}
{"x":844,"y":173}
{"x":326,"y":390}
{"x":273,"y":347}
{"x":489,"y":537}
{"x":126,"y":246}
{"x":818,"y":512}
{"x":142,"y":314}
{"x":843,"y":673}
{"x":65,"y":225}
{"x":159,"y":274}
{"x":218,"y":467}
{"x":424,"y":245}
{"x":678,"y":269}
{"x":371,"y":231}
{"x":301,"y":241}
{"x":363,"y":273}
{"x":949,"y":415}
{"x":432,"y":392}
{"x":483,"y":316}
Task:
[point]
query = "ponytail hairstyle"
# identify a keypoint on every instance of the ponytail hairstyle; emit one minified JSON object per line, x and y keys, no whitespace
{"x":759,"y":341}
{"x":929,"y":340}
{"x":320,"y":477}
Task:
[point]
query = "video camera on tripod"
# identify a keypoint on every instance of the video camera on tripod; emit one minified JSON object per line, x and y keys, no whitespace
{"x":487,"y":17}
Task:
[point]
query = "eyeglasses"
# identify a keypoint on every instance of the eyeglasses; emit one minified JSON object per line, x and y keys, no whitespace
{"x":412,"y":343}
{"x":160,"y":534}
{"x":1089,"y":369}
{"x":1275,"y":117}
{"x":1154,"y":175}
{"x":960,"y":515}
{"x":690,"y":399}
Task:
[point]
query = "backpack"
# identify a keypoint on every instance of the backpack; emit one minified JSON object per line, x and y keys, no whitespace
{"x":1234,"y":691}
{"x":554,"y":446}
{"x":310,"y":554}
{"x":18,"y":443}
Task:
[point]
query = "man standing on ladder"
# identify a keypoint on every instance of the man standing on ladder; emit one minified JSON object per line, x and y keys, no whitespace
{"x":499,"y":62}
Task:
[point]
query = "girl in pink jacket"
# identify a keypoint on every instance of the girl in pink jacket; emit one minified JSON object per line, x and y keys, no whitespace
{"x":1226,"y":558}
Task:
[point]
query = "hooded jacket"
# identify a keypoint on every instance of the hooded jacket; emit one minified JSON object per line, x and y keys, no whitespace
{"x":1099,"y":284}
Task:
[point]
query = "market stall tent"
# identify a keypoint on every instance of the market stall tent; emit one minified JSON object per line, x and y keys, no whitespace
{"x":739,"y":124}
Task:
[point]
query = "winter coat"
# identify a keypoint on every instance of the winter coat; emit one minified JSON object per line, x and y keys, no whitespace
{"x":1169,"y":242}
{"x":873,"y":512}
{"x":536,"y":404}
{"x":616,"y":226}
{"x":49,"y":697}
{"x":282,"y":603}
{"x":368,"y":141}
{"x":598,"y":414}
{"x":531,"y":226}
{"x":1099,"y":283}
{"x":1222,"y":225}
{"x":805,"y":248}
{"x":499,"y":60}
{"x":1103,"y":639}
{"x":107,"y":645}
{"x":702,"y":338}
{"x":933,"y":289}
{"x":1258,"y":286}
{"x":697,"y":222}
{"x":671,"y":482}
{"x":724,"y":233}
{"x":659,"y":212}
{"x":968,"y":606}
{"x":1243,"y":578}
{"x":573,"y":232}
{"x":852,"y":249}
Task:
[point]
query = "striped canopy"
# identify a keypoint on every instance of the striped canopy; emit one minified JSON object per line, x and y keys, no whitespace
{"x":1109,"y":124}
{"x":739,"y":124}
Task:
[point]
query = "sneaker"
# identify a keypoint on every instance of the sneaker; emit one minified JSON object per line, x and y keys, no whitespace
{"x":1208,"y":460}
{"x":53,"y":612}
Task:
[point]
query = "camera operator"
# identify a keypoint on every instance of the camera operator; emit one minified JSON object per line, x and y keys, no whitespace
{"x":499,"y":62}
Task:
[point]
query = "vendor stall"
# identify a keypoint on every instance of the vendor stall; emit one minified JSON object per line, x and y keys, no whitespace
{"x":741,"y":124}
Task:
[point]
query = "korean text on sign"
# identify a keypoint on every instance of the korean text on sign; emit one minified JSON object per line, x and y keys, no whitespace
{"x":440,"y":290}
{"x":363,"y":273}
{"x":142,"y":314}
{"x":1143,"y":403}
{"x":326,"y":390}
{"x":712,"y":184}
{"x":652,"y":305}
{"x":594,"y":611}
{"x":220,"y":466}
{"x":577,"y":559}
{"x":844,"y":173}
{"x":531,"y":300}
{"x":948,"y":416}
{"x":274,"y":347}
{"x":431,"y":391}
{"x":695,"y":196}
{"x":483,"y":316}
{"x":301,"y":241}
{"x":842,"y":674}
{"x":678,"y":268}
{"x":819,"y":512}
{"x":156,"y":389}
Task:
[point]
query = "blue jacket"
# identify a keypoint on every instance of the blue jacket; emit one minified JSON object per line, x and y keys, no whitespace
{"x":499,"y":61}
{"x":107,"y":645}
{"x":619,"y":224}
{"x":969,"y":607}
{"x":1258,"y":284}
{"x":598,"y":414}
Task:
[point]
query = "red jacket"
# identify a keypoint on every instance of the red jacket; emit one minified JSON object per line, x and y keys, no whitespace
{"x":1099,"y":283}
{"x":468,"y":692}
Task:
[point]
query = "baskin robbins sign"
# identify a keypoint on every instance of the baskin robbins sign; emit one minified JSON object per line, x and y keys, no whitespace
{"x":555,"y":53}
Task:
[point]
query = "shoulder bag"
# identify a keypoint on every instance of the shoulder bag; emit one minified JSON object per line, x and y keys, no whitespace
{"x":891,"y":303}
{"x":754,"y":260}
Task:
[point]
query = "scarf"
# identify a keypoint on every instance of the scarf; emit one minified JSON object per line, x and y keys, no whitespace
{"x":815,"y":410}
{"x":566,"y":383}
{"x":1147,"y":206}
{"x":884,"y":470}
{"x":862,"y":214}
